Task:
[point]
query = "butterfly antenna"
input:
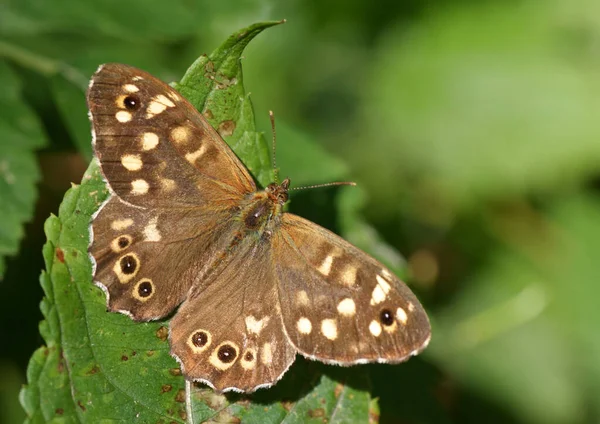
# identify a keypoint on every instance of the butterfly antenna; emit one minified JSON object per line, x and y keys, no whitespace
{"x":337,"y":183}
{"x":274,"y":147}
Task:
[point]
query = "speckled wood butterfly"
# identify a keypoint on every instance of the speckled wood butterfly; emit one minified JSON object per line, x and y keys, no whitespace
{"x":185,"y":224}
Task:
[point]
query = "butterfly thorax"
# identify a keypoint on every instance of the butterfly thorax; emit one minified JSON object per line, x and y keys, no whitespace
{"x":264,"y":208}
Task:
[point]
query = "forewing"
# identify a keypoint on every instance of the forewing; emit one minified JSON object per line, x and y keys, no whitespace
{"x":339,"y":305}
{"x":229,"y":332}
{"x":155,"y":149}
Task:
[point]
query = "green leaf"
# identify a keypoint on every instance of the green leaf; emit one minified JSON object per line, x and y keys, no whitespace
{"x":457,"y":119}
{"x":103,"y":367}
{"x":21,"y":136}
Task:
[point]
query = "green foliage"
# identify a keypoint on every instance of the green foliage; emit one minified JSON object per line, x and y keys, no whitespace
{"x":102,"y":366}
{"x":469,"y":127}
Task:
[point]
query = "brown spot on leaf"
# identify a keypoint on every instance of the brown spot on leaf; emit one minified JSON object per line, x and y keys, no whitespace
{"x":338,"y":389}
{"x":316,"y":413}
{"x":287,"y":405}
{"x":133,"y":353}
{"x":124,"y":358}
{"x":180,"y":396}
{"x":226,"y":128}
{"x":81,"y":405}
{"x":150,"y":353}
{"x":208,"y":114}
{"x":94,"y":370}
{"x":183,"y":415}
{"x":175,"y":371}
{"x":166,"y":388}
{"x":162,"y":333}
{"x":60,"y":255}
{"x":59,"y":411}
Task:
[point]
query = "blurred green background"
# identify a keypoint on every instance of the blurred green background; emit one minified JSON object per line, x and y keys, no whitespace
{"x":472,"y":127}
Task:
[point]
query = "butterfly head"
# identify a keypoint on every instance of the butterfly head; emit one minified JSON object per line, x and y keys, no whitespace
{"x":278,"y":193}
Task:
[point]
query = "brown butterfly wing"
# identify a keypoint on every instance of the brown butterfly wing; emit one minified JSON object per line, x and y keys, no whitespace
{"x":229,"y":332}
{"x":147,"y":259}
{"x":174,"y":183}
{"x":339,"y":305}
{"x":154,"y":148}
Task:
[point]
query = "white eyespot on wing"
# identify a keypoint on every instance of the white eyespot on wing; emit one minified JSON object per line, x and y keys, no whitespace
{"x":304,"y":325}
{"x":158,"y":105}
{"x":375,"y":328}
{"x":130,"y":88}
{"x":329,"y":329}
{"x":180,"y":134}
{"x":302,"y":298}
{"x":255,"y":326}
{"x":348,"y":275}
{"x":380,"y":291}
{"x":401,"y":315}
{"x":199,"y":340}
{"x":131,"y":162}
{"x":121,"y":224}
{"x":149,"y":141}
{"x":167,"y":184}
{"x":347,"y":307}
{"x":325,"y":267}
{"x":193,"y":156}
{"x":151,"y":232}
{"x":266,"y":354}
{"x":139,"y":187}
{"x":123,"y":116}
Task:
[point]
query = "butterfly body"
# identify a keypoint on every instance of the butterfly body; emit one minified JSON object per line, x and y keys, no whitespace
{"x":187,"y":233}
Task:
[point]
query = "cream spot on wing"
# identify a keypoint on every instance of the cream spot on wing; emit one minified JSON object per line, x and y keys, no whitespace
{"x":348,"y":275}
{"x":123,"y":116}
{"x":151,"y":232}
{"x":347,"y":307}
{"x":386,"y":274}
{"x":173,"y":96}
{"x":375,"y":328}
{"x":391,"y":328}
{"x":139,"y":187}
{"x":401,"y":315}
{"x":255,"y":326}
{"x":180,"y":134}
{"x":121,"y":224}
{"x":302,"y":298}
{"x":325,"y":267}
{"x":216,"y":361}
{"x":149,"y":141}
{"x":137,"y":78}
{"x":158,"y":105}
{"x":131,"y":88}
{"x":167,"y":184}
{"x":266,"y":354}
{"x":192,"y":157}
{"x":131,"y":162}
{"x":329,"y":329}
{"x":380,"y":291}
{"x":248,"y":360}
{"x":304,"y":325}
{"x":411,"y":307}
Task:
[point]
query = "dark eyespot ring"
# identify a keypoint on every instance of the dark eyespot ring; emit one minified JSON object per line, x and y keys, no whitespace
{"x":226,"y":354}
{"x":145,"y":289}
{"x":131,"y":102}
{"x":386,"y":317}
{"x":248,"y":357}
{"x":200,"y":338}
{"x":123,"y":242}
{"x":128,"y":264}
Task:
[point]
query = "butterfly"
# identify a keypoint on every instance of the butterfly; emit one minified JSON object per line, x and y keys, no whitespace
{"x":186,"y":232}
